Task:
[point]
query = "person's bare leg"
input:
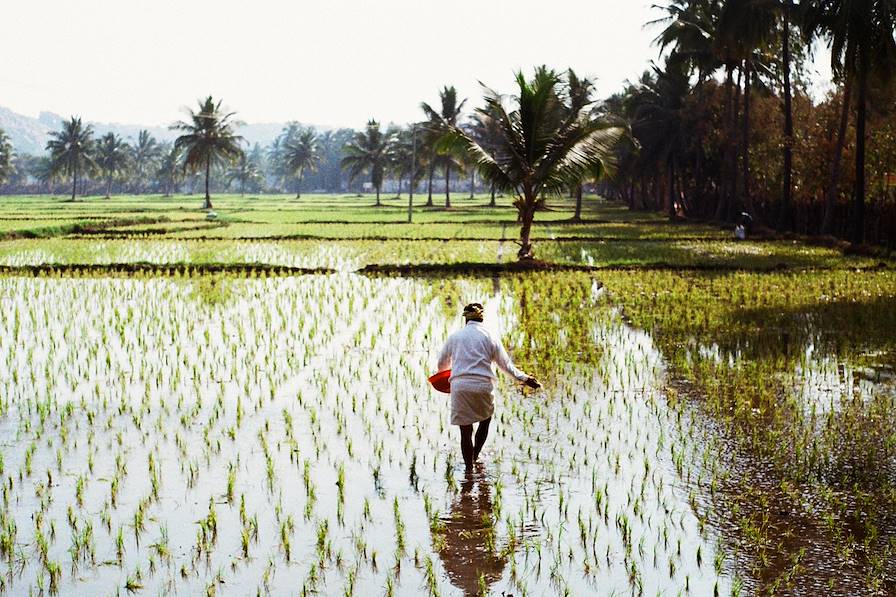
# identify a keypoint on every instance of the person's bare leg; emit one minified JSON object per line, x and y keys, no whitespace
{"x":466,"y":445}
{"x":481,"y":436}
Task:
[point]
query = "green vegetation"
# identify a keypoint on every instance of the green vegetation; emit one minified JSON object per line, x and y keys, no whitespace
{"x":718,"y":414}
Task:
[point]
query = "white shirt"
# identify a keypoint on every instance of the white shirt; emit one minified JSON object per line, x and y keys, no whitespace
{"x":470,"y":352}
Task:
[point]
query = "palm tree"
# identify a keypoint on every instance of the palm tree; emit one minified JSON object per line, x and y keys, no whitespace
{"x":300,"y":154}
{"x":658,"y":108}
{"x":544,"y":145}
{"x":245,"y":171}
{"x":369,"y":151}
{"x":580,"y":90}
{"x":448,"y":115}
{"x":744,"y":30}
{"x":44,"y":172}
{"x":860,"y":33}
{"x":111,"y":158}
{"x":145,"y":152}
{"x":71,"y":150}
{"x":6,"y":157}
{"x":404,"y":160}
{"x":689,"y":29}
{"x":170,"y":170}
{"x":208,"y":139}
{"x":486,"y":132}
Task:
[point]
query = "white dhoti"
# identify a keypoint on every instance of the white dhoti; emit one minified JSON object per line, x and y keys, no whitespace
{"x":471,"y":401}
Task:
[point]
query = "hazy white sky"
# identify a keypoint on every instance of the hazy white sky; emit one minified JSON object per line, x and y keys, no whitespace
{"x":328,"y":62}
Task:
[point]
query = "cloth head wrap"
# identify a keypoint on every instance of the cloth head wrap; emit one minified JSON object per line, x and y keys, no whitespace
{"x":473,"y":311}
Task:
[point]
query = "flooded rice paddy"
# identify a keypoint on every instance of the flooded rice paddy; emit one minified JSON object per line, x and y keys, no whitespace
{"x":276,"y":436}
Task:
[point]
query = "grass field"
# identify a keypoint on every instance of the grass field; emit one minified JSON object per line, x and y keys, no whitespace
{"x":179,"y":417}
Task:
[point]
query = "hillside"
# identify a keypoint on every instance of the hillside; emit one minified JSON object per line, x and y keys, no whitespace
{"x":29,"y":134}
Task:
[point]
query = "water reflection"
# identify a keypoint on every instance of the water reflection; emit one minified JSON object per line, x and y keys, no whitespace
{"x":466,"y":538}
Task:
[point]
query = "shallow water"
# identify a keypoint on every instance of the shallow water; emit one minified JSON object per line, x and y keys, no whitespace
{"x":307,"y":396}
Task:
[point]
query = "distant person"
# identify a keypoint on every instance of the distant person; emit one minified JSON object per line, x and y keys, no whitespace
{"x":744,"y":226}
{"x":469,"y":353}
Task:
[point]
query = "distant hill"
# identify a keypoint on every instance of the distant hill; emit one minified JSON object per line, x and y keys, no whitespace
{"x":29,"y":134}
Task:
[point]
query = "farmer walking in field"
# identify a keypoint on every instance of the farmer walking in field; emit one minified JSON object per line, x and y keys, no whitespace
{"x":469,"y":353}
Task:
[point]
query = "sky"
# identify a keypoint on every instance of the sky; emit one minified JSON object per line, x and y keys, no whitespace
{"x":323,"y":62}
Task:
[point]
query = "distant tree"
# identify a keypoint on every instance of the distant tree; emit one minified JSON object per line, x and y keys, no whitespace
{"x":146,"y":153}
{"x":300,"y":154}
{"x":369,"y":151}
{"x":208,"y":139}
{"x":329,"y":173}
{"x":402,"y":156}
{"x":112,"y":158}
{"x":448,"y":115}
{"x":6,"y":157}
{"x":44,"y":173}
{"x":745,"y":30}
{"x":484,"y":129}
{"x":863,"y":50}
{"x":544,"y":144}
{"x":71,"y":151}
{"x":659,"y":120}
{"x":245,"y":171}
{"x":170,"y":171}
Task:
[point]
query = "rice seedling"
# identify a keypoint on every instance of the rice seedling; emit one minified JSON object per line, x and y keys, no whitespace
{"x":272,"y":421}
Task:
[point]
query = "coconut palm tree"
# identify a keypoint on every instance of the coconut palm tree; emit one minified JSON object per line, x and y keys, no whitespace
{"x":300,"y":154}
{"x":170,"y":171}
{"x":448,"y":114}
{"x":745,"y":29}
{"x":689,"y":29}
{"x":245,"y":171}
{"x":6,"y":157}
{"x":658,"y":106}
{"x":405,"y":157}
{"x":145,"y":153}
{"x":112,"y":158}
{"x":208,"y":139}
{"x":71,"y":150}
{"x":369,"y":151}
{"x":484,"y":129}
{"x":863,"y":50}
{"x":544,"y":145}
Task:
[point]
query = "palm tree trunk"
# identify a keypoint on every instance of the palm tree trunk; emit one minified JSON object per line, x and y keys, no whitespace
{"x":472,"y":181}
{"x":784,"y":214}
{"x":578,"y":215}
{"x":830,"y":199}
{"x":670,"y":205}
{"x":447,"y":186}
{"x":432,"y":171}
{"x":109,"y":186}
{"x":858,"y":214}
{"x":492,"y":203}
{"x":74,"y":182}
{"x":727,"y":173}
{"x":747,"y":201}
{"x":378,"y":195}
{"x":527,"y":214}
{"x":208,"y":171}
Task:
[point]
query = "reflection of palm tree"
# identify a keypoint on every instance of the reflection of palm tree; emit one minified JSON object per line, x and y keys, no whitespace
{"x":466,"y":539}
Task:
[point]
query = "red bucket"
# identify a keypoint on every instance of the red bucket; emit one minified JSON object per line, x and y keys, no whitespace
{"x":440,"y":381}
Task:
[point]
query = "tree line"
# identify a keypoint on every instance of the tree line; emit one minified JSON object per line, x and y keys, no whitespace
{"x":725,"y":125}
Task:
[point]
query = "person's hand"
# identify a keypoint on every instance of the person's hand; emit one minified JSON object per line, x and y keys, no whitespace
{"x":533,"y":383}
